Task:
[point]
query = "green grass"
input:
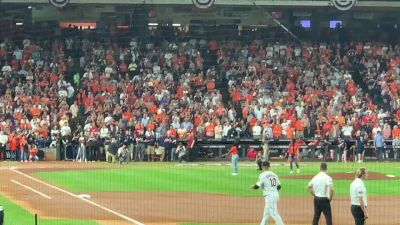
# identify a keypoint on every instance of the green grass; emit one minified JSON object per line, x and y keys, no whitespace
{"x":16,"y":215}
{"x":168,"y":177}
{"x":215,"y":224}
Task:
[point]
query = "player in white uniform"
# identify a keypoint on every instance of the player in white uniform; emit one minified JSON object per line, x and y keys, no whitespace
{"x":270,"y":184}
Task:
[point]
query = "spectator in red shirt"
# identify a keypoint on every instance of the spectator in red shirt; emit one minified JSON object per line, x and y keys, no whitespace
{"x":234,"y":153}
{"x":294,"y":151}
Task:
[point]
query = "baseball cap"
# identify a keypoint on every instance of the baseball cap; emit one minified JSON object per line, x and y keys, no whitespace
{"x":266,"y":164}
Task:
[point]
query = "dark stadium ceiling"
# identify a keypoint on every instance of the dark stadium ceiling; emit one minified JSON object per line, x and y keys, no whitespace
{"x":177,"y":12}
{"x":308,"y":3}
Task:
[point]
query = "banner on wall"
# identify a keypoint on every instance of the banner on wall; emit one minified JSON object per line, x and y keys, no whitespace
{"x":344,"y":5}
{"x":203,"y":4}
{"x":59,"y":3}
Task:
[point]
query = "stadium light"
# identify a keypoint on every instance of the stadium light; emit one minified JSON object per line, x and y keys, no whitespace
{"x":176,"y":24}
{"x":19,"y":23}
{"x":153,"y":24}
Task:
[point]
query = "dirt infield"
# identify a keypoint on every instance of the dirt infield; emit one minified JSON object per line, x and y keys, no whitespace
{"x":345,"y":176}
{"x":172,"y":208}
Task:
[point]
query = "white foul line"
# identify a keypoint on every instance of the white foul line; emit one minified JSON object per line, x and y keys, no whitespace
{"x":29,"y":188}
{"x":78,"y":197}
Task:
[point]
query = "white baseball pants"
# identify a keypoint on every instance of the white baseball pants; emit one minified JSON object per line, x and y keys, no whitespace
{"x":271,"y":210}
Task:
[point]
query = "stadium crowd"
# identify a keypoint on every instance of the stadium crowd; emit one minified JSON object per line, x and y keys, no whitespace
{"x":140,"y":100}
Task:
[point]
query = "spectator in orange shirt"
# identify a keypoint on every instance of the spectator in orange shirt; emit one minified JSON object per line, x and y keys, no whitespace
{"x":277,"y":130}
{"x":293,"y":154}
{"x":13,"y":142}
{"x":290,"y":132}
{"x":210,"y":130}
{"x":234,"y":153}
{"x":23,"y":148}
{"x":396,"y":141}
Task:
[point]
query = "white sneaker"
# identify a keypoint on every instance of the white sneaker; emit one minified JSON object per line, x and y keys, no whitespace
{"x":234,"y":174}
{"x":291,"y":171}
{"x":298,"y":170}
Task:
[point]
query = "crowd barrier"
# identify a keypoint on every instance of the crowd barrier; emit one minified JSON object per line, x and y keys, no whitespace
{"x":218,"y":149}
{"x":212,"y":149}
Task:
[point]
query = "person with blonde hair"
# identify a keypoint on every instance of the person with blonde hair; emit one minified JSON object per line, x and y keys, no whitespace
{"x":358,"y":196}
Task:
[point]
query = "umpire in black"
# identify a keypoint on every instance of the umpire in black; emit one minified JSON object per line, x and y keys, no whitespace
{"x":321,"y":187}
{"x":1,"y":215}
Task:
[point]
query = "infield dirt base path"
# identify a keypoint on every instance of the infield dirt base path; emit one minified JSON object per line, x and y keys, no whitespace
{"x":170,"y":208}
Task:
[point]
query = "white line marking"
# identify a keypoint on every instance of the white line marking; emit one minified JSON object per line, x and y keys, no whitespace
{"x":29,"y":188}
{"x":389,"y":175}
{"x":84,"y":196}
{"x":78,"y":197}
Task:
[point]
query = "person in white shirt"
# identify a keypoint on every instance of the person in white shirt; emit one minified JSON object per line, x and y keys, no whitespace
{"x":270,"y":184}
{"x":81,"y":155}
{"x":226,"y":128}
{"x":65,"y":130}
{"x":3,"y":142}
{"x":358,"y":195}
{"x":257,"y":130}
{"x":346,"y":131}
{"x":321,"y":187}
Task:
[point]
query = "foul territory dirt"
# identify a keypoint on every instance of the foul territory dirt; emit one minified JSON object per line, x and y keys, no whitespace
{"x":171,"y":208}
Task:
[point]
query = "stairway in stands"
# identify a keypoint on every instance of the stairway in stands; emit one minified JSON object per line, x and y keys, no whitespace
{"x":220,"y":83}
{"x":357,"y":77}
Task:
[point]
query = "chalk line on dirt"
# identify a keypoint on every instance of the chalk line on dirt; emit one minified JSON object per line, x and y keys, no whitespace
{"x":31,"y":189}
{"x":78,"y":197}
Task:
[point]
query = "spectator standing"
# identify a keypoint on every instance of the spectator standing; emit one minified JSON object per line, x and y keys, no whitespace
{"x":170,"y":144}
{"x":232,"y":132}
{"x":150,"y":139}
{"x":379,"y":144}
{"x":3,"y":142}
{"x":13,"y":141}
{"x":140,"y":145}
{"x":66,"y":138}
{"x":81,"y":154}
{"x":293,"y":154}
{"x":1,"y":215}
{"x":358,"y":196}
{"x":23,"y":148}
{"x":234,"y":153}
{"x":265,"y":148}
{"x":396,"y":141}
{"x":257,"y":131}
{"x":321,"y":187}
{"x":359,"y":146}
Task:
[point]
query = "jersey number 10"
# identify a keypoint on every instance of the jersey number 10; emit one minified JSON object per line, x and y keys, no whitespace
{"x":273,"y":182}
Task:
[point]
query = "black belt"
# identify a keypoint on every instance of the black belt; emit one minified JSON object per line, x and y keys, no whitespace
{"x":357,"y":206}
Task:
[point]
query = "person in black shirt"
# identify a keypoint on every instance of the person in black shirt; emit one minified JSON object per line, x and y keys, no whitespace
{"x":232,"y":132}
{"x":1,"y":215}
{"x":140,"y":145}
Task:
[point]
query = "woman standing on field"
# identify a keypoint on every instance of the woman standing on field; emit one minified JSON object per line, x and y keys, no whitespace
{"x":234,"y":153}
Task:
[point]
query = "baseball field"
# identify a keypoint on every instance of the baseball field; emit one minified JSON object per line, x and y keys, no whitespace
{"x":181,"y":194}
